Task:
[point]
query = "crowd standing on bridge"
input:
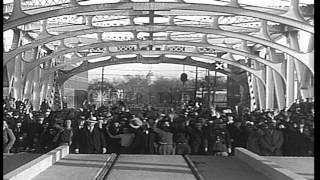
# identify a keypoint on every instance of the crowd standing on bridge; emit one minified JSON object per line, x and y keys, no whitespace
{"x":188,"y":130}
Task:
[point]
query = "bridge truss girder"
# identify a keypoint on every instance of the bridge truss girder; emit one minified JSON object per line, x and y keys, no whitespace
{"x":273,"y":78}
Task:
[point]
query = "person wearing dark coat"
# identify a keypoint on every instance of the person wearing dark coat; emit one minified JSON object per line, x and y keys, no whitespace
{"x":90,"y":140}
{"x":254,"y":134}
{"x":238,"y":135}
{"x":151,"y":145}
{"x":113,"y":145}
{"x":19,"y":134}
{"x":295,"y":143}
{"x":165,"y":140}
{"x":138,"y":144}
{"x":271,"y":141}
{"x":181,"y":137}
{"x":217,"y":139}
{"x":196,"y":138}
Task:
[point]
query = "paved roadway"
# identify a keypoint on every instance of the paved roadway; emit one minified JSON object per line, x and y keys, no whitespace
{"x":225,"y":168}
{"x":13,"y":161}
{"x":74,"y":166}
{"x":155,"y":167}
{"x":303,"y":166}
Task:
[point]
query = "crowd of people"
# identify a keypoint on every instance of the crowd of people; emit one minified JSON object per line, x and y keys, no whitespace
{"x":191,"y":129}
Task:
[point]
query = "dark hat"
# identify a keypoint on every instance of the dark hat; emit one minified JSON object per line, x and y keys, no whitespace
{"x":40,"y":117}
{"x":179,"y":119}
{"x":16,"y":113}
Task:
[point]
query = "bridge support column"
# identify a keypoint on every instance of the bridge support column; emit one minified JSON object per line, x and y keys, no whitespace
{"x":15,"y":68}
{"x":17,"y":92}
{"x":260,"y":89}
{"x":279,"y":85}
{"x":28,"y":85}
{"x":36,"y":89}
{"x":290,"y":82}
{"x":44,"y":89}
{"x":45,"y":82}
{"x":307,"y":84}
{"x":294,"y":70}
{"x":29,"y":78}
{"x":269,"y":89}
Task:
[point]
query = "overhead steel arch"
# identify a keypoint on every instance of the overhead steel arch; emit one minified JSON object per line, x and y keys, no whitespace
{"x":146,"y":28}
{"x":85,"y":66}
{"x":276,"y":66}
{"x":22,"y":18}
{"x":257,"y":73}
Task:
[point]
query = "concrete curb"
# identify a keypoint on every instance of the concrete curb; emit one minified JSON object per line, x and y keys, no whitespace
{"x":36,"y":166}
{"x":270,"y":169}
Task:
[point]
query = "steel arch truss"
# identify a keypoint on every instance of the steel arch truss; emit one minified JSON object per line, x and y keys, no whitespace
{"x":45,"y":36}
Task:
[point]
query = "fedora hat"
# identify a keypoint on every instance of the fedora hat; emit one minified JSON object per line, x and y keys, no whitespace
{"x":135,"y":123}
{"x":92,"y":120}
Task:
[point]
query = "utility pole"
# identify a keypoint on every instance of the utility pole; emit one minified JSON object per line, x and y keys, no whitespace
{"x":214,"y":86}
{"x":101,"y":101}
{"x":208,"y":87}
{"x":196,"y":85}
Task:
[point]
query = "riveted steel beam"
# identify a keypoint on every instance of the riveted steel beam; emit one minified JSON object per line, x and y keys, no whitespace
{"x":116,"y":61}
{"x":257,"y":73}
{"x":299,"y":55}
{"x":276,"y":66}
{"x":157,"y":6}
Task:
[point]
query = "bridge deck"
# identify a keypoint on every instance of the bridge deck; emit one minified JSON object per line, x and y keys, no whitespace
{"x":225,"y":168}
{"x":146,"y":167}
{"x":303,"y":166}
{"x":74,"y":166}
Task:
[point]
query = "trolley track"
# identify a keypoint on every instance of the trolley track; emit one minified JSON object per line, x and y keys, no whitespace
{"x":104,"y":172}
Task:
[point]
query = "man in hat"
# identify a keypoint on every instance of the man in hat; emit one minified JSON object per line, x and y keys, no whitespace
{"x":181,"y":136}
{"x":196,"y":136}
{"x":217,"y":138}
{"x":113,"y":144}
{"x":138,"y":144}
{"x":272,"y":140}
{"x":19,"y":134}
{"x":65,"y":134}
{"x":254,"y":134}
{"x":165,"y":138}
{"x":35,"y":130}
{"x":90,"y":140}
{"x":79,"y":124}
{"x":238,"y":133}
{"x":126,"y":139}
{"x":151,"y":145}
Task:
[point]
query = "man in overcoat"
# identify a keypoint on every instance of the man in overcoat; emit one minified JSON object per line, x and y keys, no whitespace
{"x":90,"y":140}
